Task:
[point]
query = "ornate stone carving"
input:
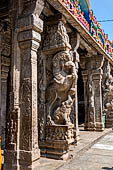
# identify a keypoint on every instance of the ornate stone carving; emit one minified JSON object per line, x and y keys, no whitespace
{"x":58,"y":140}
{"x":91,"y":99}
{"x":25,"y":107}
{"x":11,"y":129}
{"x":57,"y":37}
{"x":91,"y":108}
{"x":56,"y":89}
{"x":92,"y":76}
{"x":62,"y":88}
{"x":108,"y":94}
{"x":42,"y":84}
{"x":59,"y":133}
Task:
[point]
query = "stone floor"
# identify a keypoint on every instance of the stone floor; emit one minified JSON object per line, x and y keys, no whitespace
{"x":93,"y":152}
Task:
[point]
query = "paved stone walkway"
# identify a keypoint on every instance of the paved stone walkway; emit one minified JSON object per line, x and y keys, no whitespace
{"x":94,"y":152}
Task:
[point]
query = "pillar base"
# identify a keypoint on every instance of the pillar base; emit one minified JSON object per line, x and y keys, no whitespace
{"x":22,"y":160}
{"x":11,"y":161}
{"x":76,"y":136}
{"x":29,"y":160}
{"x":58,"y":140}
{"x":90,"y":126}
{"x":99,"y":126}
{"x":34,"y":166}
{"x":109,"y":122}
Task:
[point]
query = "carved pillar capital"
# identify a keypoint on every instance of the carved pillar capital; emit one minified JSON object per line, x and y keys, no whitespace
{"x":29,"y":29}
{"x":57,"y":38}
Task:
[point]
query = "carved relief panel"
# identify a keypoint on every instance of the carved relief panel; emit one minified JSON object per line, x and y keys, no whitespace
{"x":107,"y":84}
{"x":57,"y":77}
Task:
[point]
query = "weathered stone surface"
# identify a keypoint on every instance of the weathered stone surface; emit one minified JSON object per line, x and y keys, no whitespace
{"x":22,"y":133}
{"x":42,"y":93}
{"x":92,"y":77}
{"x":57,"y":88}
{"x":108,"y":94}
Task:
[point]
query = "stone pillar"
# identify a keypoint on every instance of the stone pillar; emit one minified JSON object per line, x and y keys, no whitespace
{"x":11,"y":154}
{"x":75,"y":43}
{"x":5,"y":63}
{"x":29,"y":42}
{"x":4,"y":69}
{"x":97,"y":81}
{"x":0,"y":86}
{"x":92,"y":77}
{"x":59,"y":83}
{"x":89,"y":101}
{"x":22,"y":151}
{"x":107,"y":87}
{"x":85,"y":79}
{"x":97,"y":73}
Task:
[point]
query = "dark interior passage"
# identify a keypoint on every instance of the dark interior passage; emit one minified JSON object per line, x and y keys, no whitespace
{"x":81,"y":108}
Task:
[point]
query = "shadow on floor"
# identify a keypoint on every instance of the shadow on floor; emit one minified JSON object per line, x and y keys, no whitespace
{"x":106,"y":168}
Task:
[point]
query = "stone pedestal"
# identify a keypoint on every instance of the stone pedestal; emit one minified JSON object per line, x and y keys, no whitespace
{"x":109,"y":121}
{"x":58,"y":140}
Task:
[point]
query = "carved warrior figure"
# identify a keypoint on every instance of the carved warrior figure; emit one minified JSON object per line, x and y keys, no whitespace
{"x":61,"y":89}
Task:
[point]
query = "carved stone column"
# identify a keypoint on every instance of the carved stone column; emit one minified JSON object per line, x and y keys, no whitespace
{"x":29,"y":42}
{"x":92,"y":77}
{"x":85,"y":63}
{"x":11,"y":154}
{"x":85,"y":79}
{"x":59,"y":83}
{"x":22,"y":151}
{"x":5,"y":63}
{"x":0,"y":85}
{"x":4,"y":69}
{"x":75,"y":43}
{"x":107,"y":84}
{"x":97,"y":81}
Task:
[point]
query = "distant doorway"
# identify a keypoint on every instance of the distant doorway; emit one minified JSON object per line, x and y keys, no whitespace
{"x":81,"y":107}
